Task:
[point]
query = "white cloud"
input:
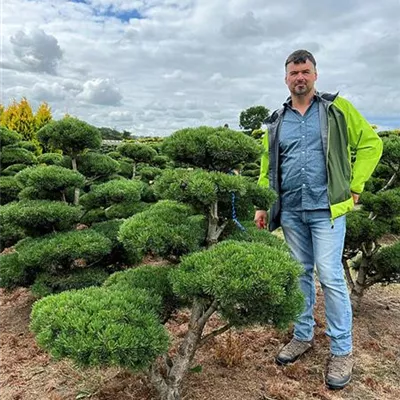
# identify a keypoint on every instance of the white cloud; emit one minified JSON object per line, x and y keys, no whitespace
{"x":189,"y":63}
{"x":100,"y":91}
{"x":34,"y":51}
{"x":121,"y":116}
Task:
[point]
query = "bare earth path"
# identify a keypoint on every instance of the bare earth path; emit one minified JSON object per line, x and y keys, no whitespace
{"x":28,"y":373}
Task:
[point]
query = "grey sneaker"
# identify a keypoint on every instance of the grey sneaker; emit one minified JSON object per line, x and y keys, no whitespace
{"x":339,"y":371}
{"x":292,"y":351}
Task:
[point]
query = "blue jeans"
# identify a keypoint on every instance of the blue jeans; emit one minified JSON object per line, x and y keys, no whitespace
{"x":313,"y":240}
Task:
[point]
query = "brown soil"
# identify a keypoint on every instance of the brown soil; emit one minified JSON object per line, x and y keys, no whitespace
{"x":236,"y":366}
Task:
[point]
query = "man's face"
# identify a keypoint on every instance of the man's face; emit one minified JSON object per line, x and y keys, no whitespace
{"x":300,"y":78}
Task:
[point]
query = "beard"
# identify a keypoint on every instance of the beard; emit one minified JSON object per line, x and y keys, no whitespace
{"x":301,"y":90}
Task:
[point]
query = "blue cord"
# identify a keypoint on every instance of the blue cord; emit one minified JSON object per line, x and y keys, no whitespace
{"x":234,"y":217}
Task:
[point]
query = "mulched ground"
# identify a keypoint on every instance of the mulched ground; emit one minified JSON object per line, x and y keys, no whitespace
{"x":235,"y":366}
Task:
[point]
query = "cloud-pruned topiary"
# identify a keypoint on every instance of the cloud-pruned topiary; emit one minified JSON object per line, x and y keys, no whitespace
{"x":167,"y":228}
{"x":38,"y":217}
{"x":50,"y":182}
{"x":101,"y":327}
{"x":119,"y":324}
{"x":211,"y":148}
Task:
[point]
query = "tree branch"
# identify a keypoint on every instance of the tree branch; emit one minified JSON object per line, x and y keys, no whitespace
{"x":221,"y":228}
{"x":214,"y":333}
{"x":207,"y":314}
{"x":389,"y":183}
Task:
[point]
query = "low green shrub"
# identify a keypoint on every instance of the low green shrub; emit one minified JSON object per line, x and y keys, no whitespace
{"x":38,"y":217}
{"x":252,"y":283}
{"x":127,"y":329}
{"x":47,"y":283}
{"x":166,"y":228}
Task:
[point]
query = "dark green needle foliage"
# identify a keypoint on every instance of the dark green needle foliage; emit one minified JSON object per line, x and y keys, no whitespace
{"x":98,"y":326}
{"x":9,"y":189}
{"x":47,"y":283}
{"x":66,"y":250}
{"x":97,"y":166}
{"x":112,"y":192}
{"x":10,"y":155}
{"x":50,"y":182}
{"x":51,"y":159}
{"x":153,"y":278}
{"x":365,"y":229}
{"x":8,"y":137}
{"x":70,"y":135}
{"x":202,"y":188}
{"x":211,"y":148}
{"x":38,"y":217}
{"x":252,"y":283}
{"x":167,"y":229}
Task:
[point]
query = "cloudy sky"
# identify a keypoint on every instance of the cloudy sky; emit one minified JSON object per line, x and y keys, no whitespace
{"x":155,"y":66}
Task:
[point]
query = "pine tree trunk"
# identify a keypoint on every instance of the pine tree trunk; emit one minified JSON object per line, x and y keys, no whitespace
{"x":168,"y":385}
{"x":214,"y":229}
{"x":134,"y":170}
{"x":357,"y":291}
{"x":76,"y":191}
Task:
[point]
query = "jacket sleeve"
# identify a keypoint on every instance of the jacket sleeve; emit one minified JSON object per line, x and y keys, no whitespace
{"x":364,"y":142}
{"x":263,"y":178}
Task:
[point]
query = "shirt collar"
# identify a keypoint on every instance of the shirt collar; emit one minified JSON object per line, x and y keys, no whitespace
{"x":288,"y":102}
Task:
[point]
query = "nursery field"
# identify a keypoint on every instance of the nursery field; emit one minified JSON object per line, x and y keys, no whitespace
{"x":142,"y":264}
{"x":239,"y":366}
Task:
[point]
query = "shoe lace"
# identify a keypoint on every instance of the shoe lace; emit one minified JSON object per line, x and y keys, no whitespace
{"x":339,"y":365}
{"x":296,"y":345}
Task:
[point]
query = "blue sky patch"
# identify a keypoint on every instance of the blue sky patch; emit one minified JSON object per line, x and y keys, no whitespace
{"x":123,"y":15}
{"x":111,"y":12}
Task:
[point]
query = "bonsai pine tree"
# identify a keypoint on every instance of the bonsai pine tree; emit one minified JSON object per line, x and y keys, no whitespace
{"x":211,"y":184}
{"x":253,"y":280}
{"x":97,"y":167}
{"x":372,"y":263}
{"x":121,"y":323}
{"x":118,"y":198}
{"x":73,"y":137}
{"x":48,"y":182}
{"x":137,"y":153}
{"x":379,"y":215}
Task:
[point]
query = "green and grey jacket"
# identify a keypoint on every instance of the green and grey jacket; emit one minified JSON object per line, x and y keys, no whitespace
{"x":344,"y":132}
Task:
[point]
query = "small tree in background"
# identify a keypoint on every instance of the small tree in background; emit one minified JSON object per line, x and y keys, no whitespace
{"x":97,"y":167}
{"x":137,"y":153}
{"x":48,"y":182}
{"x":73,"y":137}
{"x":253,"y":118}
{"x":123,"y":194}
{"x":43,"y":116}
{"x":19,"y":117}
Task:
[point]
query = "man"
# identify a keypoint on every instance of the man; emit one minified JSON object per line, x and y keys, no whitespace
{"x":307,"y":161}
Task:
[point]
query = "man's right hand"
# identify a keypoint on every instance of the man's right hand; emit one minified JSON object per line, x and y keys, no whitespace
{"x":261,"y":219}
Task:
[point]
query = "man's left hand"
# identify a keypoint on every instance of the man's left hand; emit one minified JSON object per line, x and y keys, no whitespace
{"x":356,"y":197}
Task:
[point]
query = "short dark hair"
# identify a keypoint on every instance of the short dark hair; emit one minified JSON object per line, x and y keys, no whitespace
{"x":300,"y":56}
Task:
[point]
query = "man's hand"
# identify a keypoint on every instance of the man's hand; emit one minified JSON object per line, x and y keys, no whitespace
{"x":261,"y":219}
{"x":356,"y":197}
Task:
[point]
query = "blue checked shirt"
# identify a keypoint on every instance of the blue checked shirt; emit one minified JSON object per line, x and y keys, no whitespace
{"x":302,"y":161}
